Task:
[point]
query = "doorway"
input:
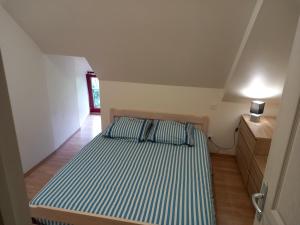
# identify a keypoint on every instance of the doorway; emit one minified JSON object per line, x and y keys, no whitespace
{"x":94,"y":92}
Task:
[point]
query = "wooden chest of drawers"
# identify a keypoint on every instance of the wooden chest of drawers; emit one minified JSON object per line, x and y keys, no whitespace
{"x":254,"y":142}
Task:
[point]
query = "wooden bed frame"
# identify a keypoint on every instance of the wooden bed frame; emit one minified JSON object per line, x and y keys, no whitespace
{"x":81,"y":218}
{"x":199,"y":122}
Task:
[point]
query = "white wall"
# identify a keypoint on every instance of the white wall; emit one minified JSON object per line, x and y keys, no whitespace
{"x":264,"y":58}
{"x":14,"y":201}
{"x":224,"y":116}
{"x":24,"y":70}
{"x":68,"y":94}
{"x":81,"y":67}
{"x":37,"y":112}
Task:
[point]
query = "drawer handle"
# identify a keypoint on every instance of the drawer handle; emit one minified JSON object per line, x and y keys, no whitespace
{"x":256,"y":197}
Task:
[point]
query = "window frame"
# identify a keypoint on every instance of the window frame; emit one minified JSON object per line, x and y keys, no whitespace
{"x":89,"y":77}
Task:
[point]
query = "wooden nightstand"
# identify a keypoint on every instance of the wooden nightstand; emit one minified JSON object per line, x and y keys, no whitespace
{"x":253,"y":147}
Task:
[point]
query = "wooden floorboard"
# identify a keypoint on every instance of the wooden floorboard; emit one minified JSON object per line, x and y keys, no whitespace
{"x":233,"y":206}
{"x":231,"y":200}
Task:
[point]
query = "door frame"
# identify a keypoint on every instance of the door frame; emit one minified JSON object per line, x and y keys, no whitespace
{"x":89,"y":77}
{"x":283,"y":138}
{"x":14,"y":201}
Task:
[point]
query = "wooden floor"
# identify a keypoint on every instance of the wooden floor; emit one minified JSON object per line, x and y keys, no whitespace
{"x":233,"y":206}
{"x":231,"y":200}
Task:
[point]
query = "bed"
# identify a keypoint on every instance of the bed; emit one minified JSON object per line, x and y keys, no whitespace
{"x":120,"y":182}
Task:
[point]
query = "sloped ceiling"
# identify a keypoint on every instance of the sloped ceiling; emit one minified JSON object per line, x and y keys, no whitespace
{"x":263,"y":64}
{"x":174,"y":42}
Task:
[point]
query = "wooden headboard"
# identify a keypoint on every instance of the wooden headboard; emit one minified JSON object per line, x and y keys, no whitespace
{"x":200,"y":122}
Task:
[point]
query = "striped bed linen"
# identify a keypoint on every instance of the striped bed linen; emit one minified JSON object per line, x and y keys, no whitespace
{"x":147,"y":182}
{"x":171,"y":132}
{"x":128,"y":127}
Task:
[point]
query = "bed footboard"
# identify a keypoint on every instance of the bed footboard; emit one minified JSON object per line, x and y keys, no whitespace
{"x":76,"y":217}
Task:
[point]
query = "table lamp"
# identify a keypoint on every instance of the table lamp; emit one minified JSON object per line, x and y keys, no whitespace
{"x":257,"y":108}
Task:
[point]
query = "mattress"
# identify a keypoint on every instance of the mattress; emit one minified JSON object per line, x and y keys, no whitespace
{"x":147,"y":182}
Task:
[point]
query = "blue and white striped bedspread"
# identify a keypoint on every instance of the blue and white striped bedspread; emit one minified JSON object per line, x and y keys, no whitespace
{"x":149,"y":182}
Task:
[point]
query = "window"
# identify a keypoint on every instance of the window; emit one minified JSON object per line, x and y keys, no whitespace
{"x":94,"y":92}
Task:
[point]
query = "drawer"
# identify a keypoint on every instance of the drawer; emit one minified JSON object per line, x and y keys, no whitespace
{"x":256,"y":174}
{"x":248,"y":136}
{"x":262,"y":147}
{"x":245,"y":150}
{"x":251,"y":187}
{"x":241,"y":160}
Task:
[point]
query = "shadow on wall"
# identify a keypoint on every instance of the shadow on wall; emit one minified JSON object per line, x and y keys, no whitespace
{"x":1,"y":220}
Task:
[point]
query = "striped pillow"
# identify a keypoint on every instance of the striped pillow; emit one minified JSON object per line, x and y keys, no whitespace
{"x":172,"y":132}
{"x":129,"y":128}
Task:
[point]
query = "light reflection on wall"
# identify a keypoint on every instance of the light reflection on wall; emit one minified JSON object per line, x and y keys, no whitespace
{"x":259,"y":89}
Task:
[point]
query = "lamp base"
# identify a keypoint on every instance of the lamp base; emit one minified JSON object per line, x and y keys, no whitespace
{"x":254,"y":118}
